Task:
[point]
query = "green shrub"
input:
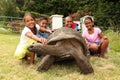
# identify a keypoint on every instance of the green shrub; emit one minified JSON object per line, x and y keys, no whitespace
{"x":114,"y":40}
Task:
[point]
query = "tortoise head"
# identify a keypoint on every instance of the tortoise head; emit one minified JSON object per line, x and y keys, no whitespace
{"x":37,"y":47}
{"x":44,"y":49}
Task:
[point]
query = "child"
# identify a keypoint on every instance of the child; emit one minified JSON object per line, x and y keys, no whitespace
{"x":43,"y":23}
{"x":28,"y":37}
{"x":96,"y":42}
{"x":45,"y":32}
{"x":70,"y":24}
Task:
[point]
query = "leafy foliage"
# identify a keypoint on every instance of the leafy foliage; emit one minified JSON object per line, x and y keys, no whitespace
{"x":53,"y":6}
{"x":8,"y":8}
{"x":105,"y":12}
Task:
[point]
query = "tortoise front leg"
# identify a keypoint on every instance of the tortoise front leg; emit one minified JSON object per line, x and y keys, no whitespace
{"x":46,"y":62}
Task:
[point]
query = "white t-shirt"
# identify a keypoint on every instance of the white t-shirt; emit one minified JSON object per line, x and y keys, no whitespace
{"x":24,"y":39}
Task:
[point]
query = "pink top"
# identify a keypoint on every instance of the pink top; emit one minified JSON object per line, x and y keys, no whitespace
{"x":92,"y":37}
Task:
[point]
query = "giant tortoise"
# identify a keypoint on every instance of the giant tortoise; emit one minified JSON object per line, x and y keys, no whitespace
{"x":64,"y":43}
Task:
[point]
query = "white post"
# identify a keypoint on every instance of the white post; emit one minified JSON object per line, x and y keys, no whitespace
{"x":57,"y":21}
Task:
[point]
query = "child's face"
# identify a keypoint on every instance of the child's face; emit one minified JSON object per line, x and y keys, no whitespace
{"x":89,"y":24}
{"x":43,"y":23}
{"x":69,"y":22}
{"x":29,"y":21}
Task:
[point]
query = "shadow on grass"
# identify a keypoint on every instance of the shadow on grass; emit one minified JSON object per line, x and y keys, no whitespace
{"x":62,"y":68}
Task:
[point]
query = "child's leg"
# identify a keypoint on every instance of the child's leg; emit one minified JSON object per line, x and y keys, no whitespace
{"x":103,"y":46}
{"x":24,"y":58}
{"x":20,"y":53}
{"x":32,"y":56}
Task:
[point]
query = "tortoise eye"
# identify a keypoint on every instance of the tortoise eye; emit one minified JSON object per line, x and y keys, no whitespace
{"x":31,"y":46}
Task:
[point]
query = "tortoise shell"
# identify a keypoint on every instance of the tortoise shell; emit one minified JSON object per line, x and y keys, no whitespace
{"x":65,"y":34}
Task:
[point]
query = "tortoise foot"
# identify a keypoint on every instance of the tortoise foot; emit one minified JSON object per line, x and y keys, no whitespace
{"x":45,"y":63}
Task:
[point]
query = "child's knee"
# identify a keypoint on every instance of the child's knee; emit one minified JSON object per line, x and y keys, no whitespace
{"x":105,"y":37}
{"x":94,"y":47}
{"x":20,"y":53}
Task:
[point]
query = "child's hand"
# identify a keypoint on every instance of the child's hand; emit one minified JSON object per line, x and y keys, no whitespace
{"x":53,"y":30}
{"x":43,"y":40}
{"x":49,"y":31}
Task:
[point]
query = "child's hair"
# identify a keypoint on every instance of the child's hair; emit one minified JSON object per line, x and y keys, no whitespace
{"x":89,"y":19}
{"x":43,"y":18}
{"x":26,"y":14}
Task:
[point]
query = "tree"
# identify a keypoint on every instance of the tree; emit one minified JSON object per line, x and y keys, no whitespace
{"x":106,"y":12}
{"x":8,"y":8}
{"x":53,"y":6}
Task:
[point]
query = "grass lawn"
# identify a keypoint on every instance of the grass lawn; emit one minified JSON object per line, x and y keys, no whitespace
{"x":12,"y":69}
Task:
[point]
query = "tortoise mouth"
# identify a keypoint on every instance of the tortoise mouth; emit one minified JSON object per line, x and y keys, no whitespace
{"x":30,"y":47}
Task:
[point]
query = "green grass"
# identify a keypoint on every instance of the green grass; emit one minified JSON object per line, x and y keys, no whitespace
{"x":114,"y":38}
{"x":12,"y":69}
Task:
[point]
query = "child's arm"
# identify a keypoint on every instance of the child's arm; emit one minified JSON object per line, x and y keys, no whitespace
{"x":34,"y":37}
{"x":45,"y":30}
{"x":102,"y":37}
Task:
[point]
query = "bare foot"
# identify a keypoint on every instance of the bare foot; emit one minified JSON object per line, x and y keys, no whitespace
{"x":31,"y":65}
{"x":101,"y":55}
{"x":24,"y":60}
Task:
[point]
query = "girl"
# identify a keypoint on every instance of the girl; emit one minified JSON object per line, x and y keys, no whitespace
{"x":96,"y":42}
{"x":28,"y":37}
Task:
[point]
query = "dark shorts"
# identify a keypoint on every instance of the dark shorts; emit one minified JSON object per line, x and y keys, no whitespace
{"x":98,"y":43}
